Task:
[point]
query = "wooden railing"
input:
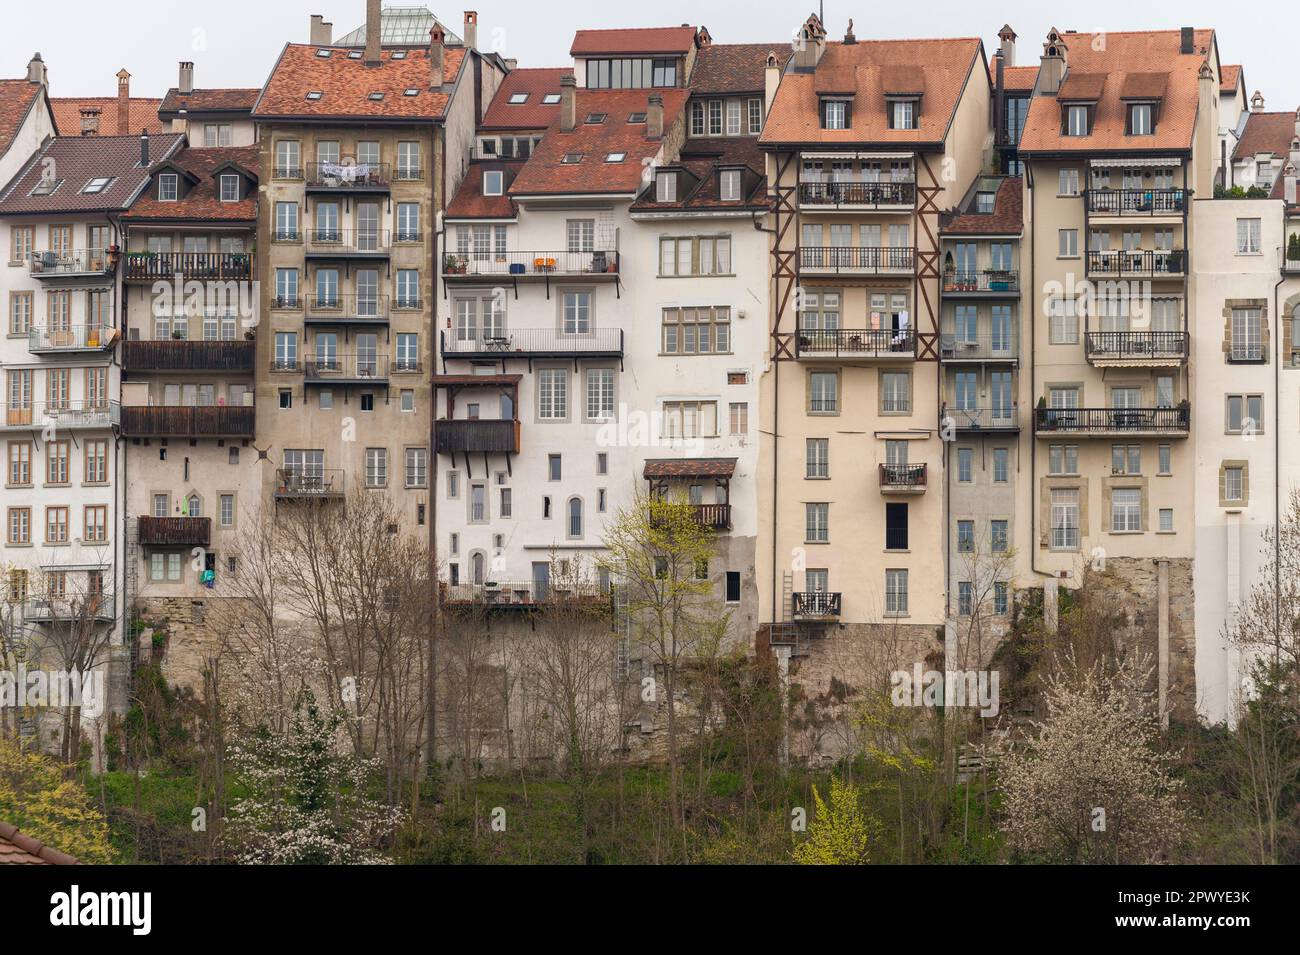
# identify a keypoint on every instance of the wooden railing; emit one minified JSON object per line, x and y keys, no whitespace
{"x":175,"y":531}
{"x":146,"y":421}
{"x":183,"y":355}
{"x":199,"y":266}
{"x":488,"y":437}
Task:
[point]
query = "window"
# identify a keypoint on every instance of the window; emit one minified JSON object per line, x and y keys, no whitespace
{"x":733,"y":117}
{"x":965,"y":537}
{"x":286,"y":351}
{"x":998,"y":539}
{"x":417,"y":467}
{"x":229,"y":188}
{"x":96,"y":518}
{"x":817,"y":458}
{"x":824,"y":392}
{"x":755,"y":116}
{"x":288,"y":159}
{"x":600,"y":394}
{"x":552,"y":394}
{"x":895,"y":526}
{"x":666,"y":187}
{"x":1069,"y":182}
{"x":690,"y":419}
{"x":20,"y":313}
{"x":1247,"y":332}
{"x":1234,"y":485}
{"x":1125,"y":459}
{"x":453,"y":485}
{"x":478,"y":509}
{"x":286,"y":221}
{"x":408,"y":160}
{"x":1125,"y":509}
{"x":1076,"y":121}
{"x":729,"y":185}
{"x":1001,"y":597}
{"x":1166,"y":520}
{"x":817,"y":523}
{"x":732,"y":595}
{"x":408,"y":351}
{"x":20,"y":462}
{"x":1001,"y":462}
{"x":896,"y":592}
{"x":835,"y":114}
{"x":903,"y":114}
{"x":697,"y":331}
{"x":20,"y":525}
{"x":408,"y":288}
{"x":21,"y":241}
{"x":1248,"y":236}
{"x":615,"y":157}
{"x":965,"y":598}
{"x":1140,"y":120}
{"x":697,"y":118}
{"x":216,"y":134}
{"x":507,"y":503}
{"x":1067,"y":243}
{"x":1063,"y":320}
{"x":517,"y":98}
{"x":493,"y":181}
{"x":602,"y":463}
{"x":1164,"y":455}
{"x":576,"y":312}
{"x":226,"y":510}
{"x":554,"y":467}
{"x":376,"y":467}
{"x":739,"y":418}
{"x":1245,"y":414}
{"x":896,"y":392}
{"x":168,"y":186}
{"x":965,"y":465}
{"x":408,"y":222}
{"x":1065,"y":518}
{"x":56,"y":525}
{"x":695,"y":255}
{"x":56,"y":462}
{"x":575,"y":517}
{"x":96,"y":185}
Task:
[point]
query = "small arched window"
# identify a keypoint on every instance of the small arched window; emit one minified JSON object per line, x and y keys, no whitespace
{"x":476,"y":568}
{"x":575,"y":517}
{"x":194,"y":506}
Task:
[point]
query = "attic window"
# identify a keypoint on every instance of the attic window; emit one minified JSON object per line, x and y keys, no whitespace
{"x":729,"y":185}
{"x":636,"y":117}
{"x":493,"y":181}
{"x":1077,"y":121}
{"x":46,"y":187}
{"x":550,"y":99}
{"x":411,"y":91}
{"x":229,"y":187}
{"x":97,"y":185}
{"x":376,"y":96}
{"x":399,"y":54}
{"x":314,"y":94}
{"x":666,"y":187}
{"x":518,"y":98}
{"x":354,"y":54}
{"x":595,"y":119}
{"x":985,"y":202}
{"x":903,"y":114}
{"x":168,"y":183}
{"x":1141,"y":119}
{"x":835,"y":114}
{"x":571,"y":159}
{"x":323,"y":54}
{"x":615,"y":157}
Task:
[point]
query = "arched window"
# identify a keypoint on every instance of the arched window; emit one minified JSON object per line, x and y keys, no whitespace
{"x":575,"y":517}
{"x":194,"y":506}
{"x":477,"y":565}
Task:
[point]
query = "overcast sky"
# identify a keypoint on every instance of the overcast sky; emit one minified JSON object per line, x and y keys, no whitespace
{"x":235,"y":42}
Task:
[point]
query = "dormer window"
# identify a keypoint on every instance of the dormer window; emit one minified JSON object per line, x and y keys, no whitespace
{"x":1141,"y":119}
{"x":903,"y":114}
{"x":835,"y":114}
{"x":985,"y":202}
{"x":518,"y":98}
{"x":729,"y":185}
{"x":666,"y":187}
{"x":168,"y":185}
{"x":1077,"y":121}
{"x":493,"y":182}
{"x":229,"y":187}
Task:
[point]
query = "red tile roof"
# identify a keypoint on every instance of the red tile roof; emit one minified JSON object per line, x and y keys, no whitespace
{"x":690,"y":467}
{"x":77,"y":160}
{"x":18,"y":848}
{"x":346,"y":85}
{"x":1020,"y":79}
{"x":1229,"y":78}
{"x":16,"y":99}
{"x":645,"y":40}
{"x":728,"y":68}
{"x":544,"y":174}
{"x":532,"y":113}
{"x":1113,"y":59}
{"x":705,"y":159}
{"x":864,"y":69}
{"x":142,"y":114}
{"x":208,"y":101}
{"x":1266,"y":133}
{"x":203,"y":201}
{"x":469,"y":201}
{"x":1007,"y":217}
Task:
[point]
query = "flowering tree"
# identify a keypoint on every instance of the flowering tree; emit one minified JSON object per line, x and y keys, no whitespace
{"x":841,"y":832}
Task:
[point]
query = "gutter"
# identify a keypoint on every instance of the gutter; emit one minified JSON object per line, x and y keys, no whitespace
{"x":776,"y":427}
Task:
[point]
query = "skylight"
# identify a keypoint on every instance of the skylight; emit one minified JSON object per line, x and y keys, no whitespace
{"x":518,"y":98}
{"x":595,"y":119}
{"x":314,"y":94}
{"x":411,"y":91}
{"x":46,"y":187}
{"x":571,"y":159}
{"x":636,"y":117}
{"x":323,"y":54}
{"x":550,"y":99}
{"x":615,"y":157}
{"x":376,"y":96}
{"x":96,"y":185}
{"x":354,"y":54}
{"x":399,"y":54}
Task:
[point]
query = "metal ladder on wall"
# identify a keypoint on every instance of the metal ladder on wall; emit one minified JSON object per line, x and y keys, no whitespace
{"x":785,"y":632}
{"x":132,"y":582}
{"x":622,"y":626}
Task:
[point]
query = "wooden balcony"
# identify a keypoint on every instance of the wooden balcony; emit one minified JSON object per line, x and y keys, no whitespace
{"x":190,"y":266}
{"x":205,"y":421}
{"x":175,"y":531}
{"x":173,"y":355}
{"x":476,"y":436}
{"x":903,"y":478}
{"x":815,"y":605}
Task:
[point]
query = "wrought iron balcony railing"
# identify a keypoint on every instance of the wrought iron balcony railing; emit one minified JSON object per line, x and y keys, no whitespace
{"x":70,"y":338}
{"x":1108,"y":421}
{"x":903,"y":477}
{"x":856,"y":342}
{"x":1137,"y":264}
{"x":348,"y":242}
{"x":1136,"y":202}
{"x":857,"y":259}
{"x":198,"y":266}
{"x":981,"y":280}
{"x":814,"y":604}
{"x":532,"y":341}
{"x":1136,"y":346}
{"x":530,"y":264}
{"x":89,"y":415}
{"x":349,"y":175}
{"x":976,"y":346}
{"x":75,"y":262}
{"x":858,"y":194}
{"x":309,"y":482}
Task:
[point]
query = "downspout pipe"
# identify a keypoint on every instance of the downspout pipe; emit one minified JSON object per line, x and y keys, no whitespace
{"x":776,"y":426}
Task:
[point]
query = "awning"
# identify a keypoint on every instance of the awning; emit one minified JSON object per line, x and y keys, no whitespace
{"x":901,"y":154}
{"x":690,"y":467}
{"x":1167,"y":163}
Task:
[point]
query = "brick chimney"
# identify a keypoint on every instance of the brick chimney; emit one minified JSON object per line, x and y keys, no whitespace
{"x":436,"y":38}
{"x":186,"y":83}
{"x":373,"y":14}
{"x":123,"y":103}
{"x":1187,"y":40}
{"x":90,"y":121}
{"x":1052,"y":64}
{"x":471,"y":30}
{"x":321,"y":33}
{"x":654,"y":117}
{"x":1008,"y":45}
{"x":569,"y":104}
{"x":36,"y":70}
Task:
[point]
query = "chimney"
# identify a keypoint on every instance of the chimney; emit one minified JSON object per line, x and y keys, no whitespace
{"x":771,"y":80}
{"x":322,"y":33}
{"x":999,"y":98}
{"x":123,"y":103}
{"x":373,"y":13}
{"x":1052,"y":64}
{"x":849,"y":38}
{"x":1257,"y":102}
{"x":471,"y":30}
{"x":436,"y":36}
{"x":569,"y":106}
{"x":36,"y":70}
{"x":654,"y":117}
{"x":512,"y":64}
{"x":1008,"y":47}
{"x":1187,"y":44}
{"x":810,"y":44}
{"x":1288,"y":183}
{"x":186,"y":85}
{"x":90,"y":121}
{"x":144,"y":149}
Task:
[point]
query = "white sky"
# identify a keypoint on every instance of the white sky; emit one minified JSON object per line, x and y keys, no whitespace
{"x":235,"y":42}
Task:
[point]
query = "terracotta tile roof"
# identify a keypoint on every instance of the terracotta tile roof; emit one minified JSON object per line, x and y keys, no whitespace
{"x":1007,"y":217}
{"x":16,"y":99}
{"x":544,"y":173}
{"x":203,"y":200}
{"x":725,"y":68}
{"x":646,"y":40}
{"x":531,"y":114}
{"x":704,"y":159}
{"x":469,"y":201}
{"x":1229,"y":77}
{"x":208,"y":101}
{"x":1266,"y":133}
{"x":142,"y":114}
{"x":346,"y":85}
{"x":1115,"y":59}
{"x":1020,"y":79}
{"x":690,"y":467}
{"x":1079,"y":87}
{"x":1144,"y":86}
{"x":865,"y":69}
{"x":78,"y":159}
{"x":18,"y":848}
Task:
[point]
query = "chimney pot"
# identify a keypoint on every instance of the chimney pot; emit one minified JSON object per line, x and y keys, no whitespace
{"x":654,"y":117}
{"x":123,"y":103}
{"x":373,"y":15}
{"x":1257,"y":102}
{"x":90,"y":121}
{"x":471,"y":30}
{"x":568,"y":103}
{"x":36,"y":70}
{"x":322,"y":32}
{"x":144,"y":149}
{"x":186,"y":83}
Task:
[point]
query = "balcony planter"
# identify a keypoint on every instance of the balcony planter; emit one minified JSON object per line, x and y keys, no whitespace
{"x":999,"y":281}
{"x":454,"y":265}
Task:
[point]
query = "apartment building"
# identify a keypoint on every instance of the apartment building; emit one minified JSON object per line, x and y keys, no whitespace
{"x":867,"y":142}
{"x":352,"y":181}
{"x":189,"y":320}
{"x":211,"y":118}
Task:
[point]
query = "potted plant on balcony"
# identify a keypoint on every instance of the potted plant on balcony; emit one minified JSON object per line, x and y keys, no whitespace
{"x":999,"y":280}
{"x":1046,"y":416}
{"x":1293,"y":247}
{"x":454,"y":265}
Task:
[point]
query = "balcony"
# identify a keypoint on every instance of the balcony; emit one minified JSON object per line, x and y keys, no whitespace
{"x":1136,"y":203}
{"x":715,"y":516}
{"x":530,"y":265}
{"x":856,"y":343}
{"x":346,"y":370}
{"x":903,"y":478}
{"x":43,"y":340}
{"x":858,"y":196}
{"x":982,"y":283}
{"x":348,"y":244}
{"x":175,"y":531}
{"x":856,"y":260}
{"x":979,"y":346}
{"x":205,"y":421}
{"x":534,"y":343}
{"x":192,"y":266}
{"x":172,"y":355}
{"x":996,"y":419}
{"x":476,"y":436}
{"x":519,"y":595}
{"x":347,"y":310}
{"x":1138,"y":264}
{"x":308,"y":483}
{"x":815,"y":605}
{"x":1150,"y":349}
{"x":78,"y":415}
{"x":348,"y":177}
{"x":90,"y":607}
{"x":78,"y":266}
{"x":1114,"y":422}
